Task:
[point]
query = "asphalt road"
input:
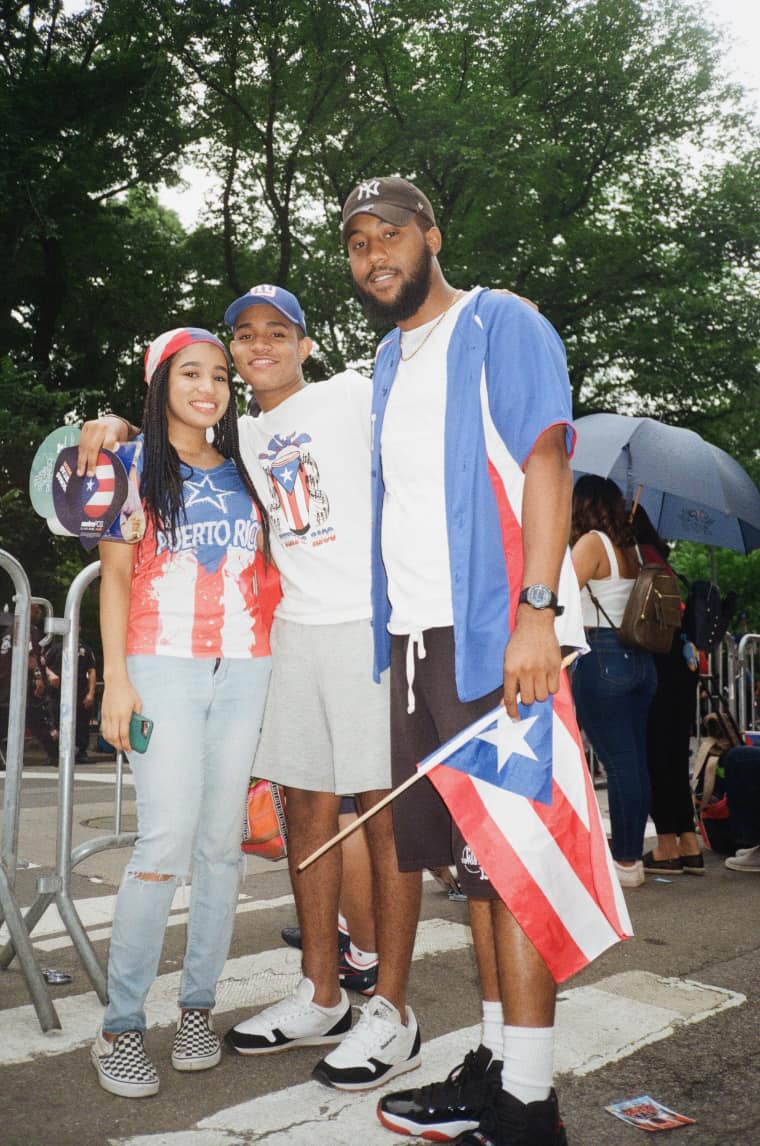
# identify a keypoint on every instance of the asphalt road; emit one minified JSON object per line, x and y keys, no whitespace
{"x":673,"y":1013}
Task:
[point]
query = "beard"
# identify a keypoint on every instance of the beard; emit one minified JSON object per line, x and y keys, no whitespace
{"x":409,"y":300}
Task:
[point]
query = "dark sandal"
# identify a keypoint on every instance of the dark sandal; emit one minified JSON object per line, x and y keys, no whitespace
{"x":671,"y":866}
{"x":694,"y":865}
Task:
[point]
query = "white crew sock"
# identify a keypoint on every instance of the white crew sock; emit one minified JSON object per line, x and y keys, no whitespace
{"x":492,"y":1033}
{"x":528,"y":1062}
{"x":361,"y":959}
{"x":342,"y":924}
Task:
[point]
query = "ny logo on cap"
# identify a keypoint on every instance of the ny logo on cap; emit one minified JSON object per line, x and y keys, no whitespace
{"x":369,"y":187}
{"x":265,"y":290}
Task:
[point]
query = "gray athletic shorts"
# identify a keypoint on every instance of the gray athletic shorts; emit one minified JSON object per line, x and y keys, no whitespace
{"x":326,"y":724}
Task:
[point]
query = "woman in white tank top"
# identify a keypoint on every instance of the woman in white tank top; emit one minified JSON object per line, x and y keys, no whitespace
{"x":613,"y":685}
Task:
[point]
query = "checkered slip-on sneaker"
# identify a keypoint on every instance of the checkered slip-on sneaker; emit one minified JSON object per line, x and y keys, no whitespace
{"x":123,"y":1067}
{"x":196,"y":1044}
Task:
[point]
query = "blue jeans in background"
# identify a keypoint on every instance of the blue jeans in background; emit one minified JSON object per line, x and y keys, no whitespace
{"x":743,"y":790}
{"x":191,"y":787}
{"x":613,"y":688}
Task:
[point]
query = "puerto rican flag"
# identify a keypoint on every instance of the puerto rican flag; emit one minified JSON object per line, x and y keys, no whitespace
{"x":292,"y":488}
{"x":98,"y":491}
{"x":522,"y":796}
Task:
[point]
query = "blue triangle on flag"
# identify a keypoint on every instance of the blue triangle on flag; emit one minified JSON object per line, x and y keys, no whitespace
{"x":515,"y":756}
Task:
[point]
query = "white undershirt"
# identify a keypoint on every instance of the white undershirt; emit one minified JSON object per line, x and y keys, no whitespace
{"x":414,"y":532}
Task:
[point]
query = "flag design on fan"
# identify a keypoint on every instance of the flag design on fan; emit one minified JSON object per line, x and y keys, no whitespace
{"x":99,"y":490}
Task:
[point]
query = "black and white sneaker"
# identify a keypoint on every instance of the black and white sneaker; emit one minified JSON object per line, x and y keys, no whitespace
{"x":442,"y":1110}
{"x":293,"y":1022}
{"x":123,"y":1067}
{"x":508,"y":1122}
{"x":377,"y":1049}
{"x":196,"y":1044}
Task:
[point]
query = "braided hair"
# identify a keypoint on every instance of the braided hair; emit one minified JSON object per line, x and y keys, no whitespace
{"x":164,"y":472}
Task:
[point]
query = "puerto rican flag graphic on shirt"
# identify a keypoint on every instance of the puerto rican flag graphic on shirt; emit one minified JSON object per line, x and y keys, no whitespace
{"x":292,"y":488}
{"x":194,"y":592}
{"x":298,"y":502}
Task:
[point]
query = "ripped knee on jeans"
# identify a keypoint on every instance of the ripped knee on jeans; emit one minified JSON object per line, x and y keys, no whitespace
{"x":149,"y":876}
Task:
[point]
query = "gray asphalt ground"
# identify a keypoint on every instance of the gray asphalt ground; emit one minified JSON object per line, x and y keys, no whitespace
{"x":706,"y":930}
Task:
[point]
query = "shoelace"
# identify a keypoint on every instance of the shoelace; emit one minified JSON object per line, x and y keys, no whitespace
{"x":286,"y":1008}
{"x":458,"y":1078}
{"x":364,"y":1033}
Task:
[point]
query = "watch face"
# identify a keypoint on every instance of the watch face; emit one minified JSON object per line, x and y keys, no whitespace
{"x":539,"y":596}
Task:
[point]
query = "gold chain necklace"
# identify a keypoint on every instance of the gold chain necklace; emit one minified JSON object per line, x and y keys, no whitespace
{"x":433,"y":328}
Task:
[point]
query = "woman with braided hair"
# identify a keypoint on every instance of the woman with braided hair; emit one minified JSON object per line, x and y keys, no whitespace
{"x":186,"y":645}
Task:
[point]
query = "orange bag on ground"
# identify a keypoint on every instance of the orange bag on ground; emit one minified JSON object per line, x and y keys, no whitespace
{"x":265,"y":832}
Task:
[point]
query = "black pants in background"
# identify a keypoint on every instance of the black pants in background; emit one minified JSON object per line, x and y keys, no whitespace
{"x":671,"y":717}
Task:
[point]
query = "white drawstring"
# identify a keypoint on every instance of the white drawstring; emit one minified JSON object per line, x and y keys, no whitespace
{"x":416,"y":638}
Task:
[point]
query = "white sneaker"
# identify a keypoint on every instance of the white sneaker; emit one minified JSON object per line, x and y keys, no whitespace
{"x":293,"y":1022}
{"x":123,"y":1066}
{"x":377,"y":1049}
{"x":630,"y":876}
{"x":746,"y":859}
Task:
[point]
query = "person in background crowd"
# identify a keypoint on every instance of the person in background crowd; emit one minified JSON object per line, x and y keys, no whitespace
{"x":40,"y":717}
{"x":671,"y":719}
{"x":742,"y":767}
{"x":86,"y":683}
{"x":614,"y":685}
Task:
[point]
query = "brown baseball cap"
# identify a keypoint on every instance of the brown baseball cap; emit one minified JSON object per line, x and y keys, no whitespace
{"x":392,"y":199}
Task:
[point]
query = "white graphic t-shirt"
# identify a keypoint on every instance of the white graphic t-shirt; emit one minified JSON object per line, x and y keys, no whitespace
{"x":415,"y":533}
{"x":310,"y":462}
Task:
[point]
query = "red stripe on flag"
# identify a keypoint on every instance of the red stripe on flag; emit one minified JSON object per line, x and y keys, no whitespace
{"x":509,"y":876}
{"x":596,"y":874}
{"x":511,"y":538}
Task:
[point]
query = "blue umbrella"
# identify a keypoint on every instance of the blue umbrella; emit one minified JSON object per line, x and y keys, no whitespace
{"x":692,"y":490}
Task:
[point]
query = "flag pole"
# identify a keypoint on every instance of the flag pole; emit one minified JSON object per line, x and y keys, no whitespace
{"x":431,"y":761}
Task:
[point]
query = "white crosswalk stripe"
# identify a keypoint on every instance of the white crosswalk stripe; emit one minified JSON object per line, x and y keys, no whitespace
{"x":248,"y":981}
{"x":595,"y":1025}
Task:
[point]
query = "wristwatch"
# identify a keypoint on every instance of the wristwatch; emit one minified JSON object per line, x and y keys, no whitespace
{"x":541,"y":597}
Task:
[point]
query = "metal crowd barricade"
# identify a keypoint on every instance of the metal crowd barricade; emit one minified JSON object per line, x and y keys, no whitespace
{"x":748,"y":676}
{"x":57,"y":886}
{"x":14,"y":763}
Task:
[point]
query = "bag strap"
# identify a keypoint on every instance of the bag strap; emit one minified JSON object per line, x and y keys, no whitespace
{"x":600,"y":608}
{"x":706,"y":766}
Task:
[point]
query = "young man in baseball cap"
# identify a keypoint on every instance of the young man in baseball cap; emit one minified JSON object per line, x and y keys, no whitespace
{"x":473,"y":594}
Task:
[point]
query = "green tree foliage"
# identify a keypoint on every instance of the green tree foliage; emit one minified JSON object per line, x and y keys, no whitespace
{"x":90,"y":118}
{"x":730,"y":571}
{"x":588,"y":154}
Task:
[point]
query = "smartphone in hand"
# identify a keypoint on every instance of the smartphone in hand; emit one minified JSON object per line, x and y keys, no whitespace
{"x":140,"y":729}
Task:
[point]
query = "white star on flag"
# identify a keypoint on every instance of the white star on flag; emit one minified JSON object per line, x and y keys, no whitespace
{"x":508,"y":738}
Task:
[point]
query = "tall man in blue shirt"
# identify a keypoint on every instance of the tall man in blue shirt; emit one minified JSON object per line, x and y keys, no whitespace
{"x":471,"y":491}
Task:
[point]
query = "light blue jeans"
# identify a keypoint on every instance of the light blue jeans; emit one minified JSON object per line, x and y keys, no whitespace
{"x":190,"y":787}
